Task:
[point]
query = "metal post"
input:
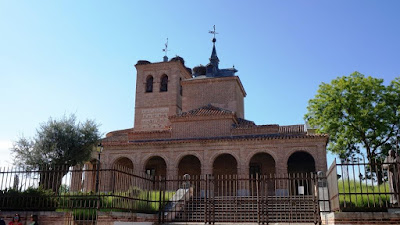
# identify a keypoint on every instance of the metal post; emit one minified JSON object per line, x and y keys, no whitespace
{"x":99,"y":150}
{"x":258,"y":198}
{"x":159,"y":201}
{"x":97,"y":174}
{"x":97,"y":182}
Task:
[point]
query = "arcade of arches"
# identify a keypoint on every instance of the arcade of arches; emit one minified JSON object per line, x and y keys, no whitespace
{"x":224,"y":164}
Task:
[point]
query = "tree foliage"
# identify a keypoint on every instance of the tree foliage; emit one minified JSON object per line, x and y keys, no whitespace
{"x":57,"y":145}
{"x":357,"y":112}
{"x":61,"y":142}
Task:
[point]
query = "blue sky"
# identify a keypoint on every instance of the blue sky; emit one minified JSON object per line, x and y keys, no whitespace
{"x":61,"y":57}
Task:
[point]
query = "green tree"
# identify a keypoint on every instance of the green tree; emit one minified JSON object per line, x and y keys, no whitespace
{"x":357,"y":112}
{"x":57,"y":145}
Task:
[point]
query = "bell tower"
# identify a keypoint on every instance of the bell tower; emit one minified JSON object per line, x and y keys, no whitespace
{"x":158,"y":92}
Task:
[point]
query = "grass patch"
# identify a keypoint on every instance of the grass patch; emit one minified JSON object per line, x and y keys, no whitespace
{"x":358,"y":196}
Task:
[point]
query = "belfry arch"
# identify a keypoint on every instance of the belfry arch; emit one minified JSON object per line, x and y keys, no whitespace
{"x":225,"y":164}
{"x":189,"y":164}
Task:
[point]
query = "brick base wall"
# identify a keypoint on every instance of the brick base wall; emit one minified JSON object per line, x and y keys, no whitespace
{"x":367,"y":218}
{"x":65,"y":218}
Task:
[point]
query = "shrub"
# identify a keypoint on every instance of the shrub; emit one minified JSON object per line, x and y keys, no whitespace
{"x":34,"y":199}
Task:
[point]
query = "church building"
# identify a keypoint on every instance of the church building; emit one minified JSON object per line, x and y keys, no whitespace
{"x":193,"y":122}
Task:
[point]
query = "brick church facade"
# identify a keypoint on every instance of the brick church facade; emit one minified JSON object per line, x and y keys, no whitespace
{"x":194,"y":123}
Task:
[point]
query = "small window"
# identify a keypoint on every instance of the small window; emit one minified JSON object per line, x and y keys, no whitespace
{"x":180,"y":86}
{"x":149,"y":84}
{"x":164,"y":83}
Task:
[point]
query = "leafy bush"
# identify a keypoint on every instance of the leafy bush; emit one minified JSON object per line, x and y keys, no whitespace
{"x":31,"y":199}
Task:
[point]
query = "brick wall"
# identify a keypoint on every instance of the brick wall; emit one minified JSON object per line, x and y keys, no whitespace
{"x":153,"y":108}
{"x":202,"y":128}
{"x":224,"y":92}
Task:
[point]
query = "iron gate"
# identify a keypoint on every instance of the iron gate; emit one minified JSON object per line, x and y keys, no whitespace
{"x":231,"y":198}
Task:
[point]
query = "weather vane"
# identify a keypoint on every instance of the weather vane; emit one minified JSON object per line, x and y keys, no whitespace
{"x":213,"y":32}
{"x":166,"y":48}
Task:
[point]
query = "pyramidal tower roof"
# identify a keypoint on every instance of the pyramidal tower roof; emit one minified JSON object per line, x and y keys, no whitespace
{"x":212,"y":68}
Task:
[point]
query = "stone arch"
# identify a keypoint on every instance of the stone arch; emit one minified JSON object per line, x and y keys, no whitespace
{"x":225,"y":164}
{"x":300,"y":166}
{"x":189,"y":164}
{"x":301,"y":162}
{"x":183,"y":154}
{"x":156,"y":166}
{"x":123,"y":162}
{"x":291,"y":151}
{"x":262,"y":163}
{"x":122,"y":170}
{"x":257,"y":151}
{"x":220,"y":152}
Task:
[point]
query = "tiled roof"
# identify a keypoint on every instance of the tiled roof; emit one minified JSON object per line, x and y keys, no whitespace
{"x":244,"y":123}
{"x":230,"y":138}
{"x":208,"y":110}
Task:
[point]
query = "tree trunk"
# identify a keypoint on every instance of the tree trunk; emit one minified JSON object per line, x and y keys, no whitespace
{"x":51,"y":176}
{"x":376,"y":167}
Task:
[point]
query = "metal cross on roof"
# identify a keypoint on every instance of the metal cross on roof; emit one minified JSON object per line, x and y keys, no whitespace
{"x":166,"y":48}
{"x":213,"y":32}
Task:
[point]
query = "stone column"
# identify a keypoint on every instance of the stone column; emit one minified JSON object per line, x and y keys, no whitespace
{"x":281,"y":171}
{"x":172,"y":171}
{"x":76,"y":178}
{"x":243,"y":170}
{"x":139,"y":169}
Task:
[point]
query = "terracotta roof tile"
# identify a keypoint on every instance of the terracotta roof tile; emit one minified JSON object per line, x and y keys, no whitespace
{"x":208,"y":110}
{"x":244,"y":123}
{"x":231,"y":138}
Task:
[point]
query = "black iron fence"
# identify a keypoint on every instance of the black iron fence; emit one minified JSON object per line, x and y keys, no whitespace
{"x":235,"y":198}
{"x":85,"y":191}
{"x":81,"y":191}
{"x":358,"y":185}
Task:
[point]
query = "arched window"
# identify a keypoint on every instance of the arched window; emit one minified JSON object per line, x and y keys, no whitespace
{"x":149,"y":84}
{"x":180,"y":86}
{"x":164,"y":83}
